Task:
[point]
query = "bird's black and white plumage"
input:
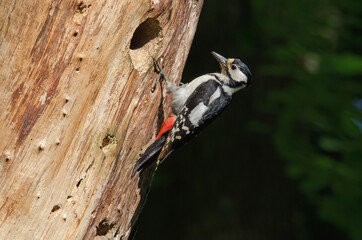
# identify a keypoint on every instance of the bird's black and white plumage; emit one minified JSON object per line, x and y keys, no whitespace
{"x":196,"y":104}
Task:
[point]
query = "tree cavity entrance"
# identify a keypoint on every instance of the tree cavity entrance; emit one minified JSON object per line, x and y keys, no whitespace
{"x":146,"y":32}
{"x":145,"y":43}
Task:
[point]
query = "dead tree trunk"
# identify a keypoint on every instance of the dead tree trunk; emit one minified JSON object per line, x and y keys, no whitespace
{"x":76,"y":108}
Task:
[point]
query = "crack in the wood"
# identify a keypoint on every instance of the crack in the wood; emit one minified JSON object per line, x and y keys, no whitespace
{"x":79,"y":182}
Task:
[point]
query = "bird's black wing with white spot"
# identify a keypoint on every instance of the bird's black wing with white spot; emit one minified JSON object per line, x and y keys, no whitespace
{"x":203,"y":105}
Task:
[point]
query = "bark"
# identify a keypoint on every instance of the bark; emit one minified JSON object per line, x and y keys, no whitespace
{"x":76,"y":108}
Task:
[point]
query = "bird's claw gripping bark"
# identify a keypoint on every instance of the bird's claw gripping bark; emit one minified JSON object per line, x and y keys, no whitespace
{"x":161,"y":73}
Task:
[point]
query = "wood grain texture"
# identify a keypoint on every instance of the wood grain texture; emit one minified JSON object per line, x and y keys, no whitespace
{"x":76,"y":109}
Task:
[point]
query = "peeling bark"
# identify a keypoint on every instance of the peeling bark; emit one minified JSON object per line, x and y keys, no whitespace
{"x":76,"y":109}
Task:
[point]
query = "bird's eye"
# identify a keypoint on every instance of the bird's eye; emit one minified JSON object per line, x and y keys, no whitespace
{"x":233,"y":67}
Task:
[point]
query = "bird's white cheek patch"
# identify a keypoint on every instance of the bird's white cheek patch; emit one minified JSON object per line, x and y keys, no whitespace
{"x":197,"y":113}
{"x":238,"y":76}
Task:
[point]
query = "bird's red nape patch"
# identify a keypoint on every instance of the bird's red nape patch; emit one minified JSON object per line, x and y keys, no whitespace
{"x":166,"y":125}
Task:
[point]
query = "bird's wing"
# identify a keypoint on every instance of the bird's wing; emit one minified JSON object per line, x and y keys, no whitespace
{"x":202,"y":106}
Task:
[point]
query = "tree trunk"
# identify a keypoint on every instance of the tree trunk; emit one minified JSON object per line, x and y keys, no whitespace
{"x":76,"y":108}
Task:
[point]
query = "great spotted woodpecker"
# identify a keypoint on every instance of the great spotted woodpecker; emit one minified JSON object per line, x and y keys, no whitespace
{"x":194,"y":106}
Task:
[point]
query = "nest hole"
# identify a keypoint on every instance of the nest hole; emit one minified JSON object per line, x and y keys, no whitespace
{"x":146,"y":32}
{"x":145,"y":44}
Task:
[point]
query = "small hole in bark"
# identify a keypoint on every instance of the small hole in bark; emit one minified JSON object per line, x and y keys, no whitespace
{"x":81,"y":6}
{"x":55,"y":208}
{"x":77,"y":69}
{"x":104,"y":227}
{"x":80,"y":59}
{"x":79,"y":182}
{"x":146,"y":31}
{"x":75,"y":34}
{"x":107,"y":140}
{"x":41,"y":145}
{"x":109,"y":144}
{"x":6,"y":156}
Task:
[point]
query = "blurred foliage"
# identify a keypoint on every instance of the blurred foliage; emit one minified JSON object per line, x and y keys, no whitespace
{"x":284,"y":161}
{"x":319,"y":59}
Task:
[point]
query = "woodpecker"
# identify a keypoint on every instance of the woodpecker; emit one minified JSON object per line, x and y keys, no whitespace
{"x":194,"y":106}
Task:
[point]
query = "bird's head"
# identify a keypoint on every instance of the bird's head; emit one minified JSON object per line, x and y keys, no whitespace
{"x":237,"y":72}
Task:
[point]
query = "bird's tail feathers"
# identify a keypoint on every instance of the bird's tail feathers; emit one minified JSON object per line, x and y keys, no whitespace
{"x":150,"y":155}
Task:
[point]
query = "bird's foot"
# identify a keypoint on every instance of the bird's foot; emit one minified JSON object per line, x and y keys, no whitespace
{"x":161,"y":73}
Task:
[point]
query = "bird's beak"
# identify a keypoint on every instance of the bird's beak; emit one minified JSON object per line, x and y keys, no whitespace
{"x":220,"y":59}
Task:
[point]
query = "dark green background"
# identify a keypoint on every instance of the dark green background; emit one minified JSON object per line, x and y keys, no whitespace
{"x":284,"y":160}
